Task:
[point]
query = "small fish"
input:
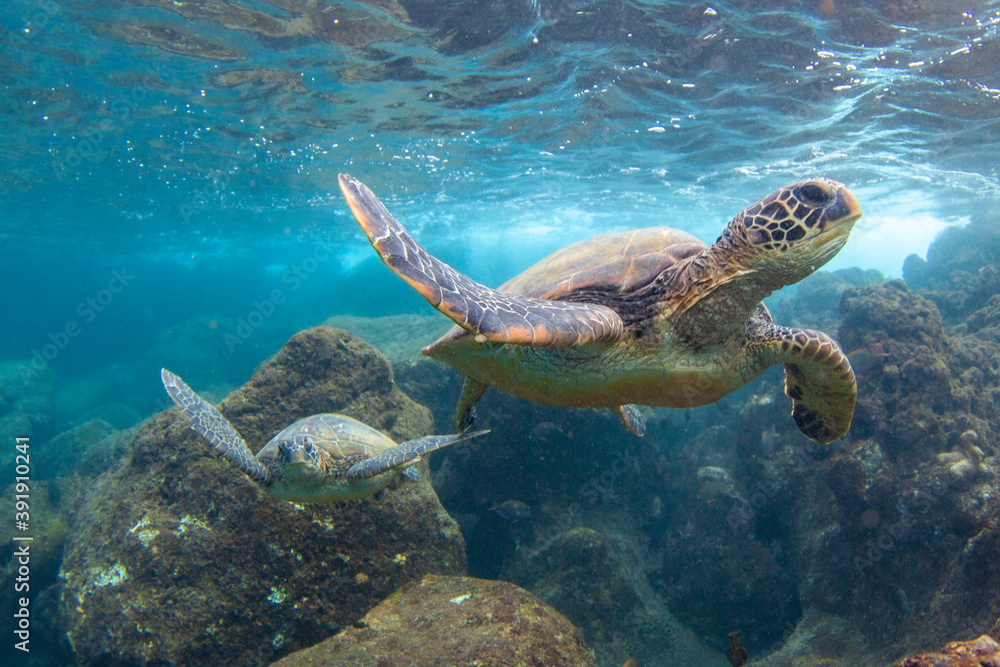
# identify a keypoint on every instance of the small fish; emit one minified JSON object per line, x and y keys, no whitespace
{"x":736,"y":653}
{"x":512,"y":510}
{"x":631,"y":662}
{"x":864,"y":360}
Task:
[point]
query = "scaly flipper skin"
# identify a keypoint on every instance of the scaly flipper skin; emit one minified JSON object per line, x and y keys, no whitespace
{"x":818,"y":379}
{"x":492,"y":316}
{"x":211,"y":425}
{"x":630,"y":416}
{"x":404,"y":454}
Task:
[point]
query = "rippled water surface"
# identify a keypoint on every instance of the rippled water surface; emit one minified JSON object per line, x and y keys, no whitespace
{"x":197,"y":143}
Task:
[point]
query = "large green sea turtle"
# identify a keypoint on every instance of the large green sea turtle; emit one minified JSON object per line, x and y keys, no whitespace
{"x":648,"y":316}
{"x":319,"y":459}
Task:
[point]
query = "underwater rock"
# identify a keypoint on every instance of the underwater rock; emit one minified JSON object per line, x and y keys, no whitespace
{"x":26,"y":407}
{"x":597,"y":580}
{"x":586,"y":576}
{"x":61,"y":455}
{"x":812,"y":303}
{"x":911,"y":404}
{"x":48,"y":530}
{"x":822,"y":640}
{"x":438,"y":387}
{"x":179,"y":558}
{"x":107,"y":453}
{"x":965,"y":461}
{"x":981,"y":652}
{"x":443,"y":620}
{"x":399,"y":337}
{"x":962,"y":270}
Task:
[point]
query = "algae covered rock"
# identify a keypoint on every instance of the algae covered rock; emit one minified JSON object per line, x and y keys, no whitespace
{"x":981,"y":652}
{"x":179,"y":558}
{"x":60,"y":455}
{"x":453,"y":621}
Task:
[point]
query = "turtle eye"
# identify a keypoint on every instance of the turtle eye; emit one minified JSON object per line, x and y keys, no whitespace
{"x":813,"y":195}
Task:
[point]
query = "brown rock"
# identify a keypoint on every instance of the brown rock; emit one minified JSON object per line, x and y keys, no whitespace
{"x":178,"y":558}
{"x":453,"y":621}
{"x":982,"y":652}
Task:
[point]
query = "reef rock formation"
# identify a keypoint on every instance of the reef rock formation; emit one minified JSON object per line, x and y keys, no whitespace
{"x":61,"y":455}
{"x":178,"y":558}
{"x":26,"y":408}
{"x":981,"y":652}
{"x":453,"y":621}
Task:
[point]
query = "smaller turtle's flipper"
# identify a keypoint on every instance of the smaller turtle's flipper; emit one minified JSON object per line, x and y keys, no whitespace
{"x":818,"y":379}
{"x":211,"y":425}
{"x":493,"y":316}
{"x":404,"y":454}
{"x":632,"y":418}
{"x":465,"y":411}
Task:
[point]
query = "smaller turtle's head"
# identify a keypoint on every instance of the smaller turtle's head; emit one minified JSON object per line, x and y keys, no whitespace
{"x":794,"y":231}
{"x":301,"y":461}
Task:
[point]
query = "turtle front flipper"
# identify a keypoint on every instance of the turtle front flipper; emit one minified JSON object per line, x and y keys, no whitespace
{"x":494,"y":316}
{"x":404,"y":454}
{"x":211,"y":425}
{"x":818,"y":379}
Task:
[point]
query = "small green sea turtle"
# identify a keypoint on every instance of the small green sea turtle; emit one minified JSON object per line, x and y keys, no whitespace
{"x":649,"y":316}
{"x":319,"y":459}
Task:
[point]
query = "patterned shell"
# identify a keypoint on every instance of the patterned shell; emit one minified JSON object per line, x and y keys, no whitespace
{"x":615,"y":261}
{"x":340,"y":436}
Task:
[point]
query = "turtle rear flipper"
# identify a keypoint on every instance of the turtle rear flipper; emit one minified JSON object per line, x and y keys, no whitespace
{"x":211,"y":425}
{"x":405,"y":454}
{"x":494,"y":316}
{"x":818,"y":379}
{"x":630,"y":416}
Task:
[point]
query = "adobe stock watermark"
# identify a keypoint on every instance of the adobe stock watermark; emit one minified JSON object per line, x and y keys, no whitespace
{"x":86,"y":311}
{"x":292,"y":277}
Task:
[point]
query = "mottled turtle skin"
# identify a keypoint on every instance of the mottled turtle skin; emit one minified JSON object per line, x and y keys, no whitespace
{"x":647,"y":316}
{"x":319,"y":459}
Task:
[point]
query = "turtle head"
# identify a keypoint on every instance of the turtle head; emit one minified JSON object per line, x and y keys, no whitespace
{"x":301,"y":460}
{"x":792,"y":232}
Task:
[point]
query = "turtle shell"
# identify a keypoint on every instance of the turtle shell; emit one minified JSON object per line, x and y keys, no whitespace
{"x":340,"y":436}
{"x":614,"y":261}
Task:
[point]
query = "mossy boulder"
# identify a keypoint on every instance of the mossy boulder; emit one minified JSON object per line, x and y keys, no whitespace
{"x":179,"y":558}
{"x":453,"y":621}
{"x":61,"y":455}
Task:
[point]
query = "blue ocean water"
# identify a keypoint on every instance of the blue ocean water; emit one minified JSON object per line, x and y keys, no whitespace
{"x":196,"y":145}
{"x":168,"y":171}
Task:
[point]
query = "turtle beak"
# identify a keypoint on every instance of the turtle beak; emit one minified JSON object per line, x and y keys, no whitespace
{"x":297,"y":455}
{"x":841,"y":215}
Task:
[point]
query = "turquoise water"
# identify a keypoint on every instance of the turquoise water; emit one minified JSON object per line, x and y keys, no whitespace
{"x":168,"y":173}
{"x":197,"y":145}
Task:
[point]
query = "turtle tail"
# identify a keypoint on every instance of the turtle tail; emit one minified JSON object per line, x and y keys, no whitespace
{"x":211,"y":425}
